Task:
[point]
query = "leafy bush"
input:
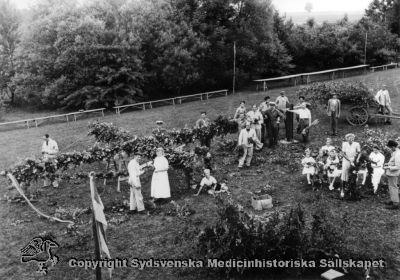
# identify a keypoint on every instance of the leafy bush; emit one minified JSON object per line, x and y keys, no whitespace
{"x":380,"y":138}
{"x":108,"y":133}
{"x":239,"y":235}
{"x":348,"y":92}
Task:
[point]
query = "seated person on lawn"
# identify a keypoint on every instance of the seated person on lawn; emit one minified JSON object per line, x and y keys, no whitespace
{"x":208,"y":183}
{"x":308,"y":163}
{"x":331,"y":167}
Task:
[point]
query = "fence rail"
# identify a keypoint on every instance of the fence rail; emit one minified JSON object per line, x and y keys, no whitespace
{"x":302,"y":78}
{"x":35,"y":121}
{"x":173,"y":100}
{"x":306,"y":78}
{"x":384,"y":67}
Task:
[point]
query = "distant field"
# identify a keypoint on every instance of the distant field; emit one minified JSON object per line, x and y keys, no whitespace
{"x":159,"y":235}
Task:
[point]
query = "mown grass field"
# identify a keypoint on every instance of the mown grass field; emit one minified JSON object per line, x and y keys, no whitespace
{"x":158,"y":235}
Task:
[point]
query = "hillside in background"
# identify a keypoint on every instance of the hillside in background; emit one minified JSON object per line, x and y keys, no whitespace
{"x":302,"y":17}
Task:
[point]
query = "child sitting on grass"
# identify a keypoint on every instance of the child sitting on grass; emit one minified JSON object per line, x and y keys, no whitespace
{"x":308,"y":163}
{"x":209,"y":183}
{"x":331,"y":167}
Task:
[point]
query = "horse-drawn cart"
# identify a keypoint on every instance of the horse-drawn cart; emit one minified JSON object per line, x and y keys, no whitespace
{"x":360,"y":115}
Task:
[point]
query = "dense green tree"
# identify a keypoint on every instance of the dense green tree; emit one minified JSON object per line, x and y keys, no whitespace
{"x":386,"y":12}
{"x":78,"y":61}
{"x":9,"y":38}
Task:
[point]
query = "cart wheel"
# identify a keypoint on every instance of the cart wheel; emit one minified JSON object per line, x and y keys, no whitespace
{"x":357,"y":116}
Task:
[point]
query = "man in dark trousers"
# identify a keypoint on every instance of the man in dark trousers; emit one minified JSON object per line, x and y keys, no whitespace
{"x":274,"y":118}
{"x":264,"y":106}
{"x":289,"y":124}
{"x":333,"y":111}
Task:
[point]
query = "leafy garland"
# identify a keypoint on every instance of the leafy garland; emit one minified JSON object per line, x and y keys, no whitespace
{"x":110,"y":134}
{"x":117,"y":140}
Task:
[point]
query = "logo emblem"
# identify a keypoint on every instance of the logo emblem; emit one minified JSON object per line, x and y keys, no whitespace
{"x":39,"y":250}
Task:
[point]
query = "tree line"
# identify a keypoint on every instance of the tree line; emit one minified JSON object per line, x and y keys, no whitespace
{"x":65,"y":54}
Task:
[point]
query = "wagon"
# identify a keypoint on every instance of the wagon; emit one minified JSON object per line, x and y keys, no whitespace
{"x":360,"y":115}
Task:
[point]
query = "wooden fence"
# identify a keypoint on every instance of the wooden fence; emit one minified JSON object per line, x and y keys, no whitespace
{"x":306,"y":78}
{"x":171,"y":101}
{"x":36,"y":121}
{"x":289,"y":80}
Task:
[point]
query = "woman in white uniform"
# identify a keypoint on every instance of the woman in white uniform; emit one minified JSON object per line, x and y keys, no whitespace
{"x":160,"y":183}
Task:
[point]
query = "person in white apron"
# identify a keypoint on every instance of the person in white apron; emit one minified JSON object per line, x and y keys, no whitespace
{"x":49,"y":152}
{"x":160,"y":187}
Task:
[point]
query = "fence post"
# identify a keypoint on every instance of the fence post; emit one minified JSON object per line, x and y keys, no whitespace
{"x":144,"y":106}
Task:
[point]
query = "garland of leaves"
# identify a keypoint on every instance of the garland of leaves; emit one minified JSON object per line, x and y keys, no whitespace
{"x":117,"y":140}
{"x":111,"y":134}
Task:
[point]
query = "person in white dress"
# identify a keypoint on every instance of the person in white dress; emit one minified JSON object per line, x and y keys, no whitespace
{"x":160,"y":187}
{"x":308,"y":163}
{"x":377,"y":162}
{"x":331,"y":166}
{"x":350,"y":150}
{"x":49,"y":152}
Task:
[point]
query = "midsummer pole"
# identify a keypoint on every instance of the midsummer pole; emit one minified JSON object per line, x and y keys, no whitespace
{"x":234,"y":67}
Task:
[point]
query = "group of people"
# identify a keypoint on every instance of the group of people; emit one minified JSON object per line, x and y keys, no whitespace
{"x":260,"y":125}
{"x":354,"y":160}
{"x":160,"y":187}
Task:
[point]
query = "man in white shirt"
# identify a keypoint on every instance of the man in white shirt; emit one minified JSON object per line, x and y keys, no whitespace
{"x":304,"y":114}
{"x":350,"y":150}
{"x":383,"y":98}
{"x":392,"y":173}
{"x":49,"y":152}
{"x":377,"y":162}
{"x":282,"y":101}
{"x":135,"y":170}
{"x":246,"y":141}
{"x":256,"y":120}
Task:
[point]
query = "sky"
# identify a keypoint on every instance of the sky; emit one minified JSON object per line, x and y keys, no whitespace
{"x":288,"y":5}
{"x":321,"y":5}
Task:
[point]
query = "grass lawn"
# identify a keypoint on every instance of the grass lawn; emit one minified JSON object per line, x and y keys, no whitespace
{"x":159,"y":235}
